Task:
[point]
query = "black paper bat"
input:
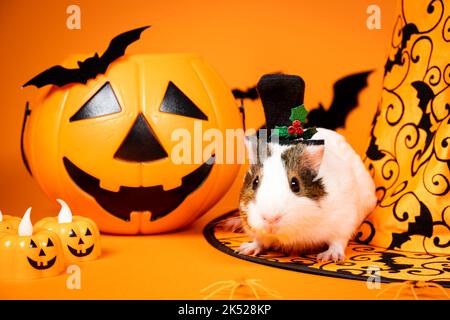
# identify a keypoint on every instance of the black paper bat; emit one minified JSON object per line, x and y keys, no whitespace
{"x":89,"y":68}
{"x":345,"y":99}
{"x":250,"y":93}
{"x":346,"y":91}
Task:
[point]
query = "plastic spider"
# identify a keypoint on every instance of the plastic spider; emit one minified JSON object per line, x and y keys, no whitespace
{"x":234,"y":285}
{"x":413,"y":285}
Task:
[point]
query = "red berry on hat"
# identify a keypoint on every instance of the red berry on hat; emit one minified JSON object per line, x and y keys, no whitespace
{"x":291,"y":130}
{"x":299,"y":131}
{"x":296,"y":123}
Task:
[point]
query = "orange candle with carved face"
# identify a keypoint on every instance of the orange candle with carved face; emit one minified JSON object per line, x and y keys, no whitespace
{"x":30,"y":255}
{"x":79,"y":236}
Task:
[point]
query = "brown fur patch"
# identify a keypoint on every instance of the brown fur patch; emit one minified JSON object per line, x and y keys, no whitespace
{"x":247,"y":193}
{"x":299,"y":165}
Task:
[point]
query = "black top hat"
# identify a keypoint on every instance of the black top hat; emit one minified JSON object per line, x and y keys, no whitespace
{"x":282,"y":98}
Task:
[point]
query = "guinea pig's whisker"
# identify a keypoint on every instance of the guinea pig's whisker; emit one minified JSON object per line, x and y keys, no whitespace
{"x":227,"y":220}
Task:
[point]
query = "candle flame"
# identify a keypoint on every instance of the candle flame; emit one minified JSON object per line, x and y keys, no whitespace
{"x":65,"y":214}
{"x":1,"y":216}
{"x":25,"y":226}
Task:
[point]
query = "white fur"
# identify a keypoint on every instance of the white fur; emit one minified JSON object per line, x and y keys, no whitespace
{"x":306,"y":223}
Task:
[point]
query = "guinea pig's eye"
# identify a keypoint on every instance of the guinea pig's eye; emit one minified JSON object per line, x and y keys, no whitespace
{"x":255,"y":183}
{"x":295,"y":185}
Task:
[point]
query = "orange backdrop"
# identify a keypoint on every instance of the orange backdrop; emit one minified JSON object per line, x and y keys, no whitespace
{"x":320,"y":40}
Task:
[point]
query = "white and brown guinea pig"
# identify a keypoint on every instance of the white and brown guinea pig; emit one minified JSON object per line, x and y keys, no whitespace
{"x":300,"y":198}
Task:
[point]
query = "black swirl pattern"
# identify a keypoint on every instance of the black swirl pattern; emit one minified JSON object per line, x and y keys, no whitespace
{"x":362,"y":262}
{"x":409,"y":151}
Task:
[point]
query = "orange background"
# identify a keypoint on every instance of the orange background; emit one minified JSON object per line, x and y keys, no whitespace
{"x":320,"y":40}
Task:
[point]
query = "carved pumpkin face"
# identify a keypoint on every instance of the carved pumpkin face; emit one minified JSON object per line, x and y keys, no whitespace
{"x":8,"y":223}
{"x":79,"y":236}
{"x":28,"y":255}
{"x":105,"y":146}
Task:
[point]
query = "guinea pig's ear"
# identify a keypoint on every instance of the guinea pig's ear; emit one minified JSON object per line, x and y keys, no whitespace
{"x":314,"y":154}
{"x":251,"y":144}
{"x":258,"y":149}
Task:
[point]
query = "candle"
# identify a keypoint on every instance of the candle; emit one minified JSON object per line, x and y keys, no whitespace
{"x":80,"y":236}
{"x":29,"y":254}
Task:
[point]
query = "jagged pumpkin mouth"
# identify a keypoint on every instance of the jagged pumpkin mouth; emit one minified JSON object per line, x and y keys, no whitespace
{"x":155,"y":199}
{"x":80,"y":253}
{"x":42,"y":265}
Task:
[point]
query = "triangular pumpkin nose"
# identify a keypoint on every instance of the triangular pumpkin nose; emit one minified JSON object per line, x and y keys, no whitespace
{"x":140,"y":144}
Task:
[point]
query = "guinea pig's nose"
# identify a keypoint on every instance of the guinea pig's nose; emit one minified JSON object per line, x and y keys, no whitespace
{"x":272,"y":218}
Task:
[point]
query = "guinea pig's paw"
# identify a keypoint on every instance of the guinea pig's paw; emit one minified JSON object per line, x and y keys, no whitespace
{"x":233,"y":224}
{"x":333,"y":253}
{"x":250,"y":248}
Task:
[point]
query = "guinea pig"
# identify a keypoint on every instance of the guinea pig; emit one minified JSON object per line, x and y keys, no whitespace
{"x":301,"y":198}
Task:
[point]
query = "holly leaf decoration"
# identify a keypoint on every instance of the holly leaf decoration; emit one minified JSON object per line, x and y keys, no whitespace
{"x":308,"y":133}
{"x":299,"y":113}
{"x":282,"y":131}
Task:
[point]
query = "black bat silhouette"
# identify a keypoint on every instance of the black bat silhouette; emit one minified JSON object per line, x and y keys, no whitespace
{"x":408,"y":31}
{"x":425,"y":94}
{"x":345,"y":99}
{"x":422,"y":225}
{"x":373,"y":151}
{"x":389,"y":260}
{"x":250,"y":93}
{"x":89,"y":68}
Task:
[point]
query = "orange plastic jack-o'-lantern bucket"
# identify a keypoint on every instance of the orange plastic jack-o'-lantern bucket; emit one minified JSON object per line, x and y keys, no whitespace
{"x":101,"y":137}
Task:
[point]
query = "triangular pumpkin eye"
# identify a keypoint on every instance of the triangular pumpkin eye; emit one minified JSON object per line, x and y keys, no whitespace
{"x":104,"y":102}
{"x":32,"y":244}
{"x":50,"y":243}
{"x":176,"y":102}
{"x":88,"y":232}
{"x":140,"y":144}
{"x":72,"y":233}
